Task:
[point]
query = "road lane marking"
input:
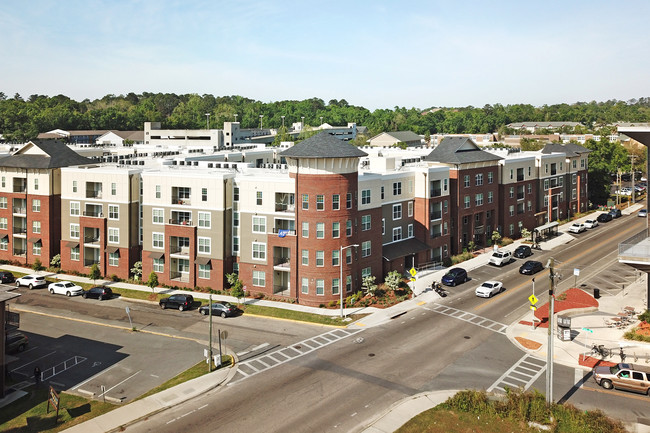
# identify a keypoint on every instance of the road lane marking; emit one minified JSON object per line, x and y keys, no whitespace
{"x":471,"y":318}
{"x":118,"y":384}
{"x":92,"y":377}
{"x":528,"y":367}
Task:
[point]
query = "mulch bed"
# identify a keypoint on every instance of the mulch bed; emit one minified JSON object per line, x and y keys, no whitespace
{"x":572,"y":299}
{"x":591,"y":362}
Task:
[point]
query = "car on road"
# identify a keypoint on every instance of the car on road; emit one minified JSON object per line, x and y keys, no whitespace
{"x":7,"y":277}
{"x":577,"y":228}
{"x":604,"y":217}
{"x":630,"y":377}
{"x":65,"y":288}
{"x":590,"y":224}
{"x":31,"y":281}
{"x":98,"y":292}
{"x":489,"y":289}
{"x":531,"y":267}
{"x":615,"y":213}
{"x":500,"y":258}
{"x":454,"y":276}
{"x":523,"y":251}
{"x":223,"y":309}
{"x":15,"y":342}
{"x":180,"y":301}
{"x":643,"y":213}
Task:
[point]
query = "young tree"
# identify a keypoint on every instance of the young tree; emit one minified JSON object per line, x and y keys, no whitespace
{"x":369,"y":285}
{"x":56,"y":261}
{"x":496,"y":237}
{"x":152,"y":282}
{"x":136,"y":270}
{"x":94,"y":272}
{"x":236,"y":286}
{"x":37,"y":266}
{"x":393,"y":280}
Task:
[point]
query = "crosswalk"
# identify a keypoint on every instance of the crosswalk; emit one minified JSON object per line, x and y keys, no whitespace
{"x":257,"y":365}
{"x":483,"y":322}
{"x":521,"y":375}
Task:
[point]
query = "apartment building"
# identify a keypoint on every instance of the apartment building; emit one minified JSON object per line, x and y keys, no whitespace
{"x":100,"y":219}
{"x":518,"y":190}
{"x":576,"y":160}
{"x":30,"y":201}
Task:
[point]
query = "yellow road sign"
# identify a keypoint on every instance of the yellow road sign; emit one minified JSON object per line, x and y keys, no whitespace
{"x":532,"y":307}
{"x":533,"y":299}
{"x":412,"y":271}
{"x":412,"y":279}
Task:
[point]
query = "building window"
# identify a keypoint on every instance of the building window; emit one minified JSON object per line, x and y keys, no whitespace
{"x":490,"y":197}
{"x":530,"y":188}
{"x":320,"y":230}
{"x":235,"y":193}
{"x":3,"y":223}
{"x":305,"y":229}
{"x":158,"y":265}
{"x":366,"y":272}
{"x":365,"y":196}
{"x":410,"y":209}
{"x":479,"y":179}
{"x":113,"y":212}
{"x":204,"y":272}
{"x":204,"y":220}
{"x":36,"y":205}
{"x":320,"y":287}
{"x":74,"y":231}
{"x":113,"y":235}
{"x":490,"y":177}
{"x":348,"y":283}
{"x":478,"y":199}
{"x":545,"y":201}
{"x":397,"y":188}
{"x":113,"y":259}
{"x":365,"y":222}
{"x":512,"y":192}
{"x":545,"y":184}
{"x":113,"y":188}
{"x":348,"y":200}
{"x":466,"y":181}
{"x":348,"y":256}
{"x":259,"y":251}
{"x":74,"y":254}
{"x":573,"y":194}
{"x":320,"y":259}
{"x":512,"y":210}
{"x":36,"y":248}
{"x":335,"y":257}
{"x":304,"y":286}
{"x":158,"y":240}
{"x":259,"y":224}
{"x":335,"y":286}
{"x":383,"y":226}
{"x":336,"y":199}
{"x":382,"y":192}
{"x":204,"y":245}
{"x":530,"y":206}
{"x":410,"y":231}
{"x":397,"y":212}
{"x":336,"y":230}
{"x":235,"y":244}
{"x":348,"y":228}
{"x":3,"y":202}
{"x":158,"y":193}
{"x":305,"y":202}
{"x":259,"y":278}
{"x":204,"y":194}
{"x":320,"y":202}
{"x":365,"y":248}
{"x":445,"y":206}
{"x":36,"y":226}
{"x":158,"y":216}
{"x":467,"y":201}
{"x":235,"y":219}
{"x":3,"y":181}
{"x":574,"y":178}
{"x":512,"y":229}
{"x":259,"y":198}
{"x":397,"y":234}
{"x":512,"y":174}
{"x":444,"y":228}
{"x":74,"y":186}
{"x":305,"y":257}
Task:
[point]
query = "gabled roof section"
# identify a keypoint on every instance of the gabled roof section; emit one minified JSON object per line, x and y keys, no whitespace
{"x":44,"y":154}
{"x":401,"y":136}
{"x":570,"y":149}
{"x":323,"y":145}
{"x":459,"y":150}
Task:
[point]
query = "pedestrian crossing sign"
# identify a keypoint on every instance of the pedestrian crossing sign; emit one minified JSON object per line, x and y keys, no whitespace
{"x":412,"y":271}
{"x":533,"y":299}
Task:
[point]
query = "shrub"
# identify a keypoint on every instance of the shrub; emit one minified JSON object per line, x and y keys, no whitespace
{"x":393,"y":280}
{"x":465,"y":255}
{"x":506,"y":241}
{"x":645,"y":316}
{"x":37,"y":266}
{"x":332,"y":304}
{"x":115,"y":278}
{"x":56,"y":261}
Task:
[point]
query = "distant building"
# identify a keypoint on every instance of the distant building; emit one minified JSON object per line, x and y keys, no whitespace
{"x":387,"y":139}
{"x":534,"y":127}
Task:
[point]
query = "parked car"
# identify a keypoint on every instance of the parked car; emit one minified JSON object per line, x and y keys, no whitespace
{"x":577,"y":228}
{"x":6,"y":277}
{"x":98,"y":292}
{"x":642,"y":213}
{"x":590,"y":224}
{"x":604,"y":217}
{"x":223,"y":309}
{"x":489,"y":289}
{"x":631,"y":377}
{"x":531,"y":267}
{"x":65,"y":288}
{"x":455,"y":276}
{"x":500,"y":257}
{"x":615,"y":213}
{"x":180,"y":301}
{"x":523,"y":251}
{"x":31,"y":281}
{"x":15,"y":342}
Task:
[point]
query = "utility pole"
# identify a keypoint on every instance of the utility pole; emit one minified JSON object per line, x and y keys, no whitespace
{"x":210,"y":349}
{"x":549,"y":353}
{"x":633,"y":157}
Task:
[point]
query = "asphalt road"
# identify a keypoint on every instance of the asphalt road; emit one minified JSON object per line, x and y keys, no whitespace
{"x":347,"y":384}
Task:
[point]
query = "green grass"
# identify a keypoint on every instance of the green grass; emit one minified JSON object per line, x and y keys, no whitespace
{"x":440,"y":420}
{"x":300,"y":316}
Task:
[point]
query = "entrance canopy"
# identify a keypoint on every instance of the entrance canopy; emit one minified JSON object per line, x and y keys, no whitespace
{"x":403,"y":249}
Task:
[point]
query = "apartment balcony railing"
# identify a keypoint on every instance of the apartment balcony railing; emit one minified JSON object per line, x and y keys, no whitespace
{"x":91,"y":240}
{"x":90,"y":262}
{"x":93,"y":214}
{"x":185,"y":251}
{"x":285,"y":231}
{"x":282,"y":262}
{"x":636,"y":248}
{"x":436,"y":235}
{"x":279,"y":207}
{"x":520,"y":196}
{"x":181,"y":222}
{"x":20,"y":210}
{"x":181,"y":201}
{"x":20,"y":253}
{"x":20,"y":230}
{"x":436,"y":192}
{"x":520,"y":177}
{"x":93,"y":193}
{"x":279,"y":290}
{"x":436,"y":215}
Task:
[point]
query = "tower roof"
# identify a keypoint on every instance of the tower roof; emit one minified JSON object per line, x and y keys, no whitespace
{"x":323,"y":145}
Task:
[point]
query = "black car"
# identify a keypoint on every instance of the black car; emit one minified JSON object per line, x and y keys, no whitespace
{"x":523,"y":251}
{"x":182,"y":302}
{"x":99,"y":292}
{"x":7,"y":277}
{"x":223,"y":309}
{"x":615,"y":213}
{"x":455,"y":276}
{"x":15,"y":342}
{"x":531,"y":267}
{"x":604,"y":217}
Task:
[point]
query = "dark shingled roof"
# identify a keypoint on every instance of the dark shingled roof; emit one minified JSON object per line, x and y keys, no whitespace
{"x":55,"y":155}
{"x":570,"y":149}
{"x":323,"y":145}
{"x":459,"y":150}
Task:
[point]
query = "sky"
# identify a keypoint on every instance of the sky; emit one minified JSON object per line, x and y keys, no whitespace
{"x":376,"y":54}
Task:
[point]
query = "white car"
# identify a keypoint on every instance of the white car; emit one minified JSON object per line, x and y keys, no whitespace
{"x":590,"y":224}
{"x":489,"y":289}
{"x":65,"y":288}
{"x":577,"y":228}
{"x":31,"y":281}
{"x":500,"y":257}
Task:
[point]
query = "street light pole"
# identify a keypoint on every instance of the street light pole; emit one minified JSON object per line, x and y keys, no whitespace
{"x":341,"y":274}
{"x":549,"y":351}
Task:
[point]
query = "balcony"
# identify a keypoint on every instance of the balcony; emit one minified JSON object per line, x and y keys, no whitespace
{"x":520,"y":177}
{"x":520,"y":196}
{"x":181,"y":222}
{"x":635,"y":251}
{"x":282,"y":263}
{"x":181,"y":201}
{"x":436,"y":215}
{"x":20,"y":185}
{"x":94,"y":214}
{"x":284,"y":202}
{"x":20,"y":230}
{"x":436,"y":192}
{"x":93,"y":190}
{"x":285,"y":232}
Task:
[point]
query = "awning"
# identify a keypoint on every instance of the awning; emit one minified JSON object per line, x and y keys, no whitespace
{"x":156,"y":255}
{"x":547,"y":226}
{"x":72,"y":244}
{"x":4,"y":236}
{"x":112,"y":250}
{"x":34,"y":240}
{"x":403,"y":249}
{"x":202,"y":260}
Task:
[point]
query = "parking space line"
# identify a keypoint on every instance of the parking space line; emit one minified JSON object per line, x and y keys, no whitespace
{"x":93,"y":376}
{"x":118,"y":384}
{"x":31,"y":362}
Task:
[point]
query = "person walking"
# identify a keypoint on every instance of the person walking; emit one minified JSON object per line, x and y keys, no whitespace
{"x":37,"y":376}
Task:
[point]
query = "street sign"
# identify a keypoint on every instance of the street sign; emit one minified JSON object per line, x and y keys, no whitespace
{"x":413,"y":272}
{"x":128,"y":310}
{"x":413,"y":279}
{"x":532,"y":307}
{"x":533,"y":299}
{"x":576,"y":272}
{"x":588,"y":330}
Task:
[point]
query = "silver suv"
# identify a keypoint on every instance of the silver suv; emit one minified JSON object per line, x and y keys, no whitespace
{"x":631,"y":377}
{"x":501,"y":257}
